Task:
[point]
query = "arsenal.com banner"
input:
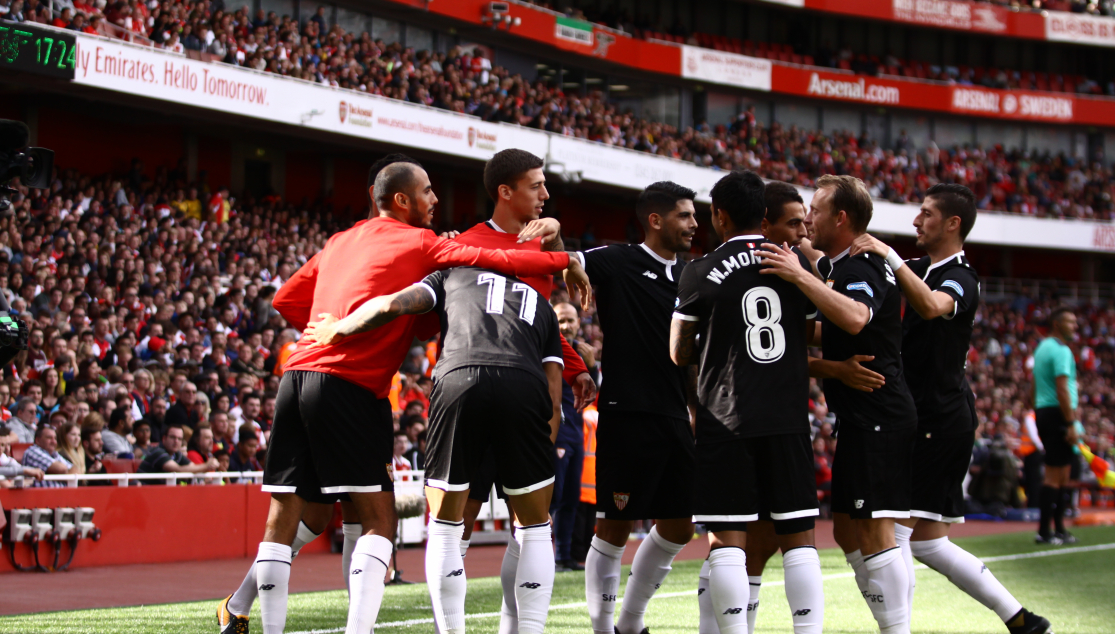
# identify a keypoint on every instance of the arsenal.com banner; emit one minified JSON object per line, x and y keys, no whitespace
{"x":965,"y":100}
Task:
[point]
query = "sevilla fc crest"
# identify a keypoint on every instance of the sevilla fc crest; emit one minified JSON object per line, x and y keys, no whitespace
{"x":391,"y":471}
{"x":621,"y":499}
{"x":344,"y":111}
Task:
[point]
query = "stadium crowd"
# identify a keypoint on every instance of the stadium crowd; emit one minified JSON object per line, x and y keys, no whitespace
{"x":1004,"y":179}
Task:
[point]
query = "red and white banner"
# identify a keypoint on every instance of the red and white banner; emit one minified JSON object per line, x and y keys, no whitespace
{"x":729,"y":69}
{"x":1079,"y":28}
{"x":1022,"y":105}
{"x":965,"y":16}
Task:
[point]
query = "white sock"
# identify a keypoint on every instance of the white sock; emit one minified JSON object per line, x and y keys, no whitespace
{"x":855,"y":560}
{"x":464,"y":547}
{"x":365,"y":587}
{"x":445,"y":575}
{"x":707,"y":620}
{"x":245,"y":595}
{"x":508,"y":611}
{"x":534,"y":578}
{"x":968,"y":573}
{"x":648,"y":571}
{"x":352,"y":531}
{"x":754,"y":584}
{"x":804,"y":589}
{"x":902,"y":538}
{"x":602,"y":584}
{"x":273,"y":580}
{"x":727,"y":570}
{"x":887,"y":589}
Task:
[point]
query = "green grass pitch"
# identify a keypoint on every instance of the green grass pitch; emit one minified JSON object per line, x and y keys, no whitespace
{"x":1074,"y":590}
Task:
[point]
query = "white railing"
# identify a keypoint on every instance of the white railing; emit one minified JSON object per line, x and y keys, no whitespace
{"x":126,"y":479}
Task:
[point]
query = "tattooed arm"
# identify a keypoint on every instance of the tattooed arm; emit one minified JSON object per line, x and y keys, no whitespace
{"x":374,"y":313}
{"x":683,"y":341}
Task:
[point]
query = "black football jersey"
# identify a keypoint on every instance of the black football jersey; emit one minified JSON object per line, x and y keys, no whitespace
{"x":934,"y":352}
{"x":868,"y":279}
{"x":636,"y":291}
{"x":491,"y":319}
{"x":754,"y":374}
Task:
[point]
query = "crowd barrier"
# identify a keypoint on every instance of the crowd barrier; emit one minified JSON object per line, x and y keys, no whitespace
{"x":145,"y":518}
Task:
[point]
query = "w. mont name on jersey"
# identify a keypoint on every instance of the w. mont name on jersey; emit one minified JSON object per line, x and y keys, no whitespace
{"x":733,"y":263}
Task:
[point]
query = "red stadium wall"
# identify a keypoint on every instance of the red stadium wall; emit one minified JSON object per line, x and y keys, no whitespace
{"x":303,"y":177}
{"x":214,"y":156}
{"x":155,"y":524}
{"x":93,"y":145}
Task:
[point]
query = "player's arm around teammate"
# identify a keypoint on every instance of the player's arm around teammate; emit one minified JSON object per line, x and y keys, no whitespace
{"x":862,"y":313}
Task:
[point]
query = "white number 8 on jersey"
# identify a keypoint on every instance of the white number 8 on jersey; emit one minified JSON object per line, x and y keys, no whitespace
{"x":771,"y":347}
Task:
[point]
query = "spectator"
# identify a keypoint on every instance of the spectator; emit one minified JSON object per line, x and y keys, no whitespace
{"x":70,"y":447}
{"x":222,"y":432}
{"x":44,"y":455}
{"x":119,"y":426}
{"x":93,"y":445}
{"x":201,"y":444}
{"x":182,"y":413}
{"x":223,"y":460}
{"x":24,"y":421}
{"x":168,"y":457}
{"x":416,"y":455}
{"x":9,"y":467}
{"x":244,"y":459}
{"x":156,"y":417}
{"x":142,"y":433}
{"x":399,"y":462}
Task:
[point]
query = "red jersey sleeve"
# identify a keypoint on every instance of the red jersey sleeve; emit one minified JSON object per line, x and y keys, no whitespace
{"x":445,"y":254}
{"x":574,"y":365}
{"x":295,"y":298}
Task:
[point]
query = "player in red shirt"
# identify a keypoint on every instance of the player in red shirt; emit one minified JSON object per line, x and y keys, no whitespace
{"x":332,"y":407}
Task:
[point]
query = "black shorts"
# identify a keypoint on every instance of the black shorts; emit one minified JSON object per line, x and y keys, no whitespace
{"x":740,"y":478}
{"x":644,"y":467}
{"x":871,"y":472}
{"x":940,"y":466}
{"x":484,"y":478}
{"x":314,"y":495}
{"x":477,"y":407}
{"x":1052,"y":428}
{"x":329,"y":435}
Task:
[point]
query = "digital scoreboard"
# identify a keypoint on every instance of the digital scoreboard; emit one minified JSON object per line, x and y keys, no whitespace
{"x":31,"y":48}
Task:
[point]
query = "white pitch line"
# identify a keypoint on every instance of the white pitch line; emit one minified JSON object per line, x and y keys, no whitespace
{"x":689,"y":593}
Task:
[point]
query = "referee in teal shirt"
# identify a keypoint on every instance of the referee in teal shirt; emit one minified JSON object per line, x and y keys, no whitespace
{"x":1055,"y":413}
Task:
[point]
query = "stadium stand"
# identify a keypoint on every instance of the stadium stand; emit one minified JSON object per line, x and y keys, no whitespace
{"x":462,"y":80}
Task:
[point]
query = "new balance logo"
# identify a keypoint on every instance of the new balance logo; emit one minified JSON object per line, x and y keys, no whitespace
{"x":802,"y":612}
{"x":733,"y":610}
{"x":701,"y":591}
{"x":456,"y":573}
{"x":267,"y":586}
{"x":656,"y":586}
{"x":608,"y":598}
{"x":357,"y":571}
{"x":650,"y":275}
{"x":533,"y":586}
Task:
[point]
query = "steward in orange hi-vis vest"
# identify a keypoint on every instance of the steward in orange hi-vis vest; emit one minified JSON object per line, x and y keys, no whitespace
{"x":588,"y":475}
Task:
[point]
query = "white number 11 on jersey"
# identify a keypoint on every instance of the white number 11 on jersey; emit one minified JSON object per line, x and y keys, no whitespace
{"x":497,"y":288}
